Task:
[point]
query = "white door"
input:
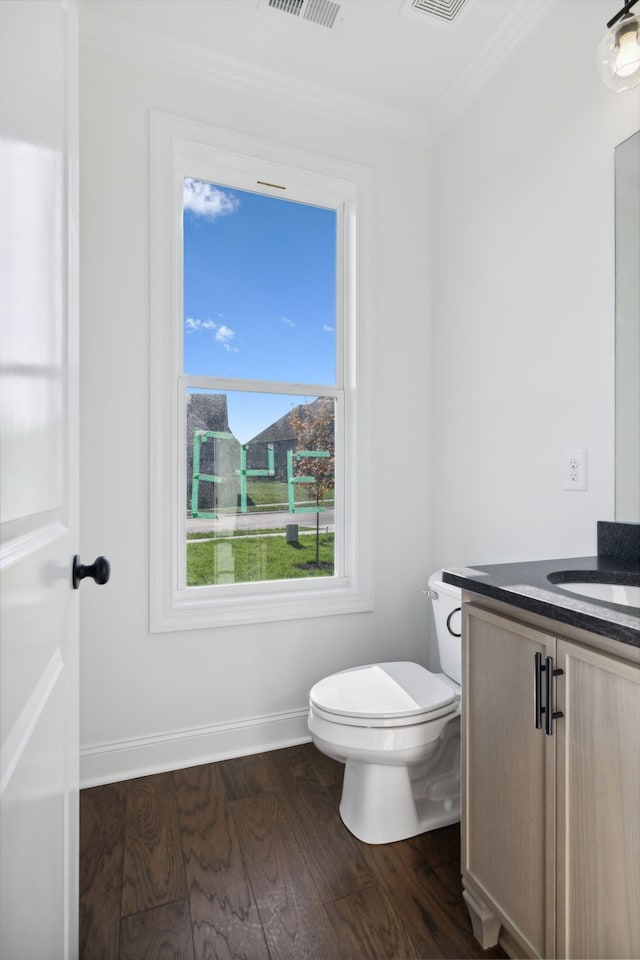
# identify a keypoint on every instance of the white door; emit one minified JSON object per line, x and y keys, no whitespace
{"x":38,"y":479}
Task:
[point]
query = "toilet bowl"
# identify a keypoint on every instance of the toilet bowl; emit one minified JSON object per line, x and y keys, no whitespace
{"x":396,"y":728}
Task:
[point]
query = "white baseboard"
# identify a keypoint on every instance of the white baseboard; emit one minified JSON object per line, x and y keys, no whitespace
{"x":141,"y":756}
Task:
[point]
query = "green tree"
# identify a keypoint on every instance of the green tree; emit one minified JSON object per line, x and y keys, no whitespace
{"x":314,"y":428}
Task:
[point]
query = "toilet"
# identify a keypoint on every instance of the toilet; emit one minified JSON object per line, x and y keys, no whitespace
{"x":396,"y":728}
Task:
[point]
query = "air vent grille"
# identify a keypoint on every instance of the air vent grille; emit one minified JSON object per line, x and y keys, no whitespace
{"x":446,"y":10}
{"x":322,"y":12}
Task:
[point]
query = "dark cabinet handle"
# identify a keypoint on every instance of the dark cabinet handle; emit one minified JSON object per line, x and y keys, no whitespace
{"x":550,"y":715}
{"x":99,"y":570}
{"x":537,"y":691}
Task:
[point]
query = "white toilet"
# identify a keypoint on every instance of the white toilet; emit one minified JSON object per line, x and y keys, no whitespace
{"x":396,"y":728}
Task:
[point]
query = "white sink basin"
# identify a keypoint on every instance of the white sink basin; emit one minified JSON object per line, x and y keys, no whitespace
{"x":622,"y":593}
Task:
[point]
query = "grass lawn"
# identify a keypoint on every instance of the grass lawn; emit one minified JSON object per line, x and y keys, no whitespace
{"x":252,"y":558}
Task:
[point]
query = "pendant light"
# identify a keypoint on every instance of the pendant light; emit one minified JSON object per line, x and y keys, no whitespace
{"x":619,"y":50}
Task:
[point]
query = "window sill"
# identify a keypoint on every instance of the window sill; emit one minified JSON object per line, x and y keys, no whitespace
{"x":188,"y":611}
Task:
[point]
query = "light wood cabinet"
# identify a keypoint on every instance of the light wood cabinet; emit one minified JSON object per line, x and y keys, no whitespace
{"x":550,"y":822}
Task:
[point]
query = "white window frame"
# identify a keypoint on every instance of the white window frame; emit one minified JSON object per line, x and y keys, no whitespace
{"x":179,"y":148}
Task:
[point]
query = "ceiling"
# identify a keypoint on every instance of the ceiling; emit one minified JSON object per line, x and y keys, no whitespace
{"x":414,"y":63}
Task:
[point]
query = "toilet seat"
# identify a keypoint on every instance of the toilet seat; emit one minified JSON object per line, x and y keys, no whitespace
{"x":383,"y":695}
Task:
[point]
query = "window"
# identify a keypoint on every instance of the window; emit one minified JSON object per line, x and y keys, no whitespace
{"x":259,"y":295}
{"x":260,"y":448}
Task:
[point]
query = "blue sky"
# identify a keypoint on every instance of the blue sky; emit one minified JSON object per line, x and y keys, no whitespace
{"x":259,"y":295}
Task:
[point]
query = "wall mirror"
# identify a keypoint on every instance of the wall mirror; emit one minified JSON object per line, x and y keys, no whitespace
{"x":627,"y":236}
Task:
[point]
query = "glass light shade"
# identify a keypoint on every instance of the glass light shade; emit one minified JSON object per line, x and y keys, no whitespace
{"x":619,"y":55}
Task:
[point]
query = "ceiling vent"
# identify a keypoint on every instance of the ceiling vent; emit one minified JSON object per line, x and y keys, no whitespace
{"x":444,"y":10}
{"x":322,"y":12}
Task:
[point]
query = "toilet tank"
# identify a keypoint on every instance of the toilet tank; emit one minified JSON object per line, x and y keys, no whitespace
{"x":446,"y":601}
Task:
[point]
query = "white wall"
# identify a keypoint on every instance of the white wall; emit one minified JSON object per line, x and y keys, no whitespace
{"x":523,"y":301}
{"x":152,"y":701}
{"x":520,"y":357}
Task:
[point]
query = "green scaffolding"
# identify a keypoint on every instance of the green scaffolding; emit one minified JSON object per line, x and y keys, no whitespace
{"x":291,"y":480}
{"x":244,"y":473}
{"x":203,"y":436}
{"x":200,"y":437}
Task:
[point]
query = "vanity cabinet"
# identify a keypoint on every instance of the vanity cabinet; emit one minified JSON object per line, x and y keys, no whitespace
{"x":550,"y":804}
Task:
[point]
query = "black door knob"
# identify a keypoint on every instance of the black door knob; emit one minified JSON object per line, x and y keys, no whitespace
{"x":99,"y":570}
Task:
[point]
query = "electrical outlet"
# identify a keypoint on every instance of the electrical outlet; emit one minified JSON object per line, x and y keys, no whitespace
{"x":575,"y":470}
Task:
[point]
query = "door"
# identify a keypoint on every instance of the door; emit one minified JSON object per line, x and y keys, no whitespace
{"x":38,"y":479}
{"x":598,"y":805}
{"x":508,"y":797}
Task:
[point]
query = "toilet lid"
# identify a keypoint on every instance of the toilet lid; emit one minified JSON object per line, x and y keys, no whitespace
{"x":383,"y":691}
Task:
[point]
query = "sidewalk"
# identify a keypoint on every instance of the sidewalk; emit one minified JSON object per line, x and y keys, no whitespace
{"x":261,"y":521}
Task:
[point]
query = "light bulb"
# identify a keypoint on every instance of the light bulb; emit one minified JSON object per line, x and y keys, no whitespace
{"x":628,"y":56}
{"x":619,"y":55}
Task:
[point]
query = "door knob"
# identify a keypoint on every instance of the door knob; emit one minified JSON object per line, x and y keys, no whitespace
{"x":99,"y":570}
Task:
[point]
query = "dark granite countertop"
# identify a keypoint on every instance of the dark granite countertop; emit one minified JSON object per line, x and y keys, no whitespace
{"x":525,"y":585}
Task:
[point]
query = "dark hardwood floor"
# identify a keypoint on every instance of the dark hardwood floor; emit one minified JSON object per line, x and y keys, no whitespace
{"x":248,"y":859}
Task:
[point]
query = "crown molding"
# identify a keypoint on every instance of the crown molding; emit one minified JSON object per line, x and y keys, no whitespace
{"x":194,"y":61}
{"x":523,"y":17}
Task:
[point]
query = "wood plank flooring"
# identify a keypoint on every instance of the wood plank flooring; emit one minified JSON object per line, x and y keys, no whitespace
{"x":248,"y":859}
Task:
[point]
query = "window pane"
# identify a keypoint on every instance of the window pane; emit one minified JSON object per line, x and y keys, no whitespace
{"x":259,"y":286}
{"x":260,"y":487}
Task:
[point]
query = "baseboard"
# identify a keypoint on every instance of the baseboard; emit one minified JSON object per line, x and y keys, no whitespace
{"x":140,"y":756}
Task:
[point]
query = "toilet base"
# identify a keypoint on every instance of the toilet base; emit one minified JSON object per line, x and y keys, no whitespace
{"x":383,"y":803}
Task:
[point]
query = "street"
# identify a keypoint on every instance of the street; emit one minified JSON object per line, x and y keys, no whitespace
{"x":268,"y":520}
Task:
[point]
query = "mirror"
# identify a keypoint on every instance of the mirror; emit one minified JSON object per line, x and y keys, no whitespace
{"x":627,"y":427}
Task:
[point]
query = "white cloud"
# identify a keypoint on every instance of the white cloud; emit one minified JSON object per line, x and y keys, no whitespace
{"x":207,"y":200}
{"x":327,"y":328}
{"x":224,"y":335}
{"x":193,"y":324}
{"x":287,"y":322}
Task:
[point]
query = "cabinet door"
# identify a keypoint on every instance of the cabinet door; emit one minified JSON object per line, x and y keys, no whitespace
{"x":598,"y":743}
{"x":508,"y":789}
